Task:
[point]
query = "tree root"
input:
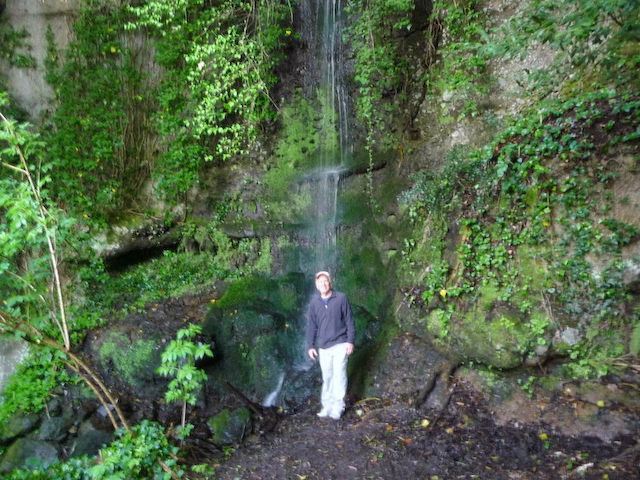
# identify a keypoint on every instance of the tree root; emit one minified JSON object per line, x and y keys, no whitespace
{"x":444,"y":371}
{"x":267,"y":417}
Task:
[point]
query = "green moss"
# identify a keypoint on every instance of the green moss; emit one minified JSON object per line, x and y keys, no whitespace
{"x":438,"y":324}
{"x":135,"y":362}
{"x":257,"y":330}
{"x":229,"y":426}
{"x":295,"y":153}
{"x":275,"y":295}
{"x":489,"y":292}
{"x":550,"y":383}
{"x":533,"y":268}
{"x":497,"y":339}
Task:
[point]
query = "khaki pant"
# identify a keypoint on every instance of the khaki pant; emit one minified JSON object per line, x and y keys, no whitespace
{"x":333,"y":363}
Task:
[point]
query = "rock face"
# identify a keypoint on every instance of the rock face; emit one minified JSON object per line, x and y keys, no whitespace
{"x":28,"y":86}
{"x":12,"y":352}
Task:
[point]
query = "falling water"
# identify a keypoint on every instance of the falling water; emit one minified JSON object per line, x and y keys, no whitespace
{"x":270,"y":399}
{"x":325,"y":40}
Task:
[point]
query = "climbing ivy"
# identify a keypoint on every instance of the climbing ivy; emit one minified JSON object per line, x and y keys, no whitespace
{"x":98,"y":138}
{"x":461,"y":68}
{"x":13,"y":45}
{"x":537,"y":195}
{"x":375,"y":37}
{"x":218,"y":67}
{"x":597,"y":39}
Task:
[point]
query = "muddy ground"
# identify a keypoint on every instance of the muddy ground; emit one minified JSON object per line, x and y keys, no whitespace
{"x":384,"y":440}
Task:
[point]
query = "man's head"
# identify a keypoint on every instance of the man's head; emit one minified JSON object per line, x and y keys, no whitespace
{"x":323,"y":283}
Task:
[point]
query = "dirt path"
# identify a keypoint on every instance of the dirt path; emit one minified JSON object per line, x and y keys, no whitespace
{"x":393,"y":441}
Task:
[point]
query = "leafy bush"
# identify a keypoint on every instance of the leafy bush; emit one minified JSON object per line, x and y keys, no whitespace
{"x":98,"y":140}
{"x":219,"y":67}
{"x":179,"y":361}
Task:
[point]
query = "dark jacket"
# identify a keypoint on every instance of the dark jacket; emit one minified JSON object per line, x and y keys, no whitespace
{"x":330,"y":325}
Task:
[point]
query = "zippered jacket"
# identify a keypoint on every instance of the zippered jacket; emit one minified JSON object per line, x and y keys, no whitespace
{"x":331,"y":324}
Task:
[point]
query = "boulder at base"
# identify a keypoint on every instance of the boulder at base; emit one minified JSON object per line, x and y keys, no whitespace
{"x":28,"y":453}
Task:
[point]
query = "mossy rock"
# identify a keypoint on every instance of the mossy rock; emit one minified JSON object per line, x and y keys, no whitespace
{"x":258,"y":327}
{"x":28,"y":453}
{"x":16,"y":426}
{"x":496,"y":339}
{"x":134,"y":360}
{"x":230,"y":426}
{"x":274,"y":296}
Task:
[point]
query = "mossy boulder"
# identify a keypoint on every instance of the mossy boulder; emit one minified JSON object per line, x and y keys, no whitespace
{"x":500,"y":338}
{"x":16,"y":426}
{"x":89,"y":443}
{"x":258,"y":329}
{"x":28,"y":453}
{"x":230,"y":426}
{"x":133,"y":359}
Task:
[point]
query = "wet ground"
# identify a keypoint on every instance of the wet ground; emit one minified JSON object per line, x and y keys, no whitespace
{"x":383,"y":440}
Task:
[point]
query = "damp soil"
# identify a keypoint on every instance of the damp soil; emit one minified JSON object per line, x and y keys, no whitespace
{"x":379,"y":439}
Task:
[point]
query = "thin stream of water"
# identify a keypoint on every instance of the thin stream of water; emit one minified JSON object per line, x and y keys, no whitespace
{"x":335,"y":144}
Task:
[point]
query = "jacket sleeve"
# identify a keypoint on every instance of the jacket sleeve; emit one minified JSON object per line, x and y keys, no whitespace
{"x":351,"y":324}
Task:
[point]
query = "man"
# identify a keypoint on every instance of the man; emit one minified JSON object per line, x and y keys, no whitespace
{"x":331,"y":326}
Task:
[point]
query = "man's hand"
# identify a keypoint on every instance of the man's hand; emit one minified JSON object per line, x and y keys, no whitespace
{"x":313,"y":353}
{"x":350,"y":348}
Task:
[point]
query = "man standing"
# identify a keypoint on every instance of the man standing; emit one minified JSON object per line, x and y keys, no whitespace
{"x":331,"y":326}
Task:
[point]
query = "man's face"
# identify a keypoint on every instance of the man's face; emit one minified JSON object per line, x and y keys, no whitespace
{"x":323,"y":284}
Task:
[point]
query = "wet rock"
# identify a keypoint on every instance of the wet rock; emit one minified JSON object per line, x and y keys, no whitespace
{"x":55,"y":428}
{"x":230,"y":426}
{"x":256,"y":329}
{"x":16,"y":426}
{"x":89,"y":443}
{"x":26,"y":452}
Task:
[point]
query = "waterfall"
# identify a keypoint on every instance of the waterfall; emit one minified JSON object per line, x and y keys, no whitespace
{"x":270,"y":399}
{"x":324,"y":36}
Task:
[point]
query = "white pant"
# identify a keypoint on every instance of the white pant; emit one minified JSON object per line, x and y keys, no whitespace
{"x":333,"y":363}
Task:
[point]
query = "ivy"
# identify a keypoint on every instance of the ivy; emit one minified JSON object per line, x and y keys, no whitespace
{"x":599,"y":37}
{"x":537,"y":187}
{"x":145,"y":452}
{"x":379,"y":67}
{"x":97,"y":138}
{"x":13,"y":44}
{"x":214,"y":96}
